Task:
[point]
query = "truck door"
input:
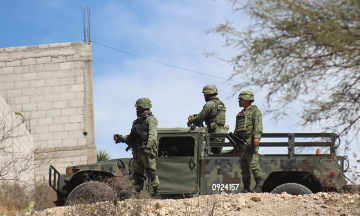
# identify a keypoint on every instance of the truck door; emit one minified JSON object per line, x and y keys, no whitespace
{"x":178,"y":170}
{"x":219,"y":172}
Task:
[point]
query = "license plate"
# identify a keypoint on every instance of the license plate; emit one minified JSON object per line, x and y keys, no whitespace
{"x":224,"y":187}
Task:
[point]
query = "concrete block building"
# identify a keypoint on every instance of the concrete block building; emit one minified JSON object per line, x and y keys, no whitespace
{"x":16,"y":148}
{"x":51,"y":85}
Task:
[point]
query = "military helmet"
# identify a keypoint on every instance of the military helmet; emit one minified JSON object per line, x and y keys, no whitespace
{"x":143,"y":103}
{"x":210,"y":89}
{"x":246,"y":95}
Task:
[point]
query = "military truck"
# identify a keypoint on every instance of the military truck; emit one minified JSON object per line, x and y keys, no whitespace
{"x":188,"y":166}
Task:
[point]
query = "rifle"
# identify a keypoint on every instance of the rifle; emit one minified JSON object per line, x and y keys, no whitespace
{"x":135,"y":147}
{"x":235,"y":141}
{"x":194,"y":125}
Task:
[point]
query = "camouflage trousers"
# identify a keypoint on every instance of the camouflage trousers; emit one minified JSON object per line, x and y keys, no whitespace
{"x":249,"y":161}
{"x":141,"y":162}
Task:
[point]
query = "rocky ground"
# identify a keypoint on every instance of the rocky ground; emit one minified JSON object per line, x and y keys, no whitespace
{"x":224,"y":204}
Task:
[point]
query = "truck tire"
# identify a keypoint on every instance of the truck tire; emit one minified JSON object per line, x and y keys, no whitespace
{"x":91,"y":192}
{"x":291,"y":188}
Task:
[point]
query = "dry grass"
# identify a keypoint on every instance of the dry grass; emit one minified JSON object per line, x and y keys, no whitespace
{"x":13,"y":198}
{"x":44,"y":195}
{"x":121,"y":184}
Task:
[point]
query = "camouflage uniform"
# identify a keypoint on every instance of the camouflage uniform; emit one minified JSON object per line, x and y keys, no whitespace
{"x":144,"y":133}
{"x":215,"y":124}
{"x":249,"y":126}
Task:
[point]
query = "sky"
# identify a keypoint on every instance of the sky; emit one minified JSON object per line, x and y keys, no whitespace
{"x":171,"y":32}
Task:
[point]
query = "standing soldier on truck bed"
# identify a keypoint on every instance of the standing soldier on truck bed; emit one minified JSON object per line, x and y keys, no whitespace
{"x":249,"y":127}
{"x":144,"y":133}
{"x":213,"y":113}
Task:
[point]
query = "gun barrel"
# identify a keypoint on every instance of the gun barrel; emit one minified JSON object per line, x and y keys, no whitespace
{"x":232,"y":141}
{"x":192,"y":127}
{"x":243,"y":142}
{"x":153,"y":157}
{"x":134,"y":146}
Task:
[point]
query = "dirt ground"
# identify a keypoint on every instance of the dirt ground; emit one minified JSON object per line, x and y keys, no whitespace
{"x":223,"y":204}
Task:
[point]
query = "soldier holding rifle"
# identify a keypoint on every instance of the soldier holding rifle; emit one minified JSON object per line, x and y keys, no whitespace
{"x":249,"y":127}
{"x":143,"y":141}
{"x":213,"y":113}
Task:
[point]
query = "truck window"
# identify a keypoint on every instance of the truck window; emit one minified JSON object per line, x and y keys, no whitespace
{"x":176,"y":146}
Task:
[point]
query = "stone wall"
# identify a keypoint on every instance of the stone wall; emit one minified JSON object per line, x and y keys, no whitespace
{"x":51,"y":85}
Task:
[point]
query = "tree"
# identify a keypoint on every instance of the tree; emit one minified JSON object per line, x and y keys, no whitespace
{"x":17,"y":163}
{"x":19,"y":158}
{"x":103,"y":156}
{"x":301,"y":51}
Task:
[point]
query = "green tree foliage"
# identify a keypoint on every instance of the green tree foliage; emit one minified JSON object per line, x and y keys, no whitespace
{"x":302,"y":52}
{"x":103,"y":156}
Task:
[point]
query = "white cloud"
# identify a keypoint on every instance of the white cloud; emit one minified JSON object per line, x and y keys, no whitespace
{"x":175,"y":38}
{"x":174,"y":34}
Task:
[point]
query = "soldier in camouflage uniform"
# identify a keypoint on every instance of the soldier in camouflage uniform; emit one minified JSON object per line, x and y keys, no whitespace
{"x":144,"y":133}
{"x":213,"y":113}
{"x":249,"y":126}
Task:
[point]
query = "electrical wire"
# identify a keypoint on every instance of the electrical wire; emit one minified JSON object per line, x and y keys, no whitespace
{"x":163,"y":62}
{"x":41,"y":7}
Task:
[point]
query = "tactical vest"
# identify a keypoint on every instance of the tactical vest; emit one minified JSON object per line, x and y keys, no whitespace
{"x":244,"y":122}
{"x":140,"y":130}
{"x":220,"y":118}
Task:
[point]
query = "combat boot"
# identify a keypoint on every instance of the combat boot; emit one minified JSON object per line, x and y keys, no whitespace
{"x":246,"y":187}
{"x":156,"y":194}
{"x":257,"y":188}
{"x":138,"y":182}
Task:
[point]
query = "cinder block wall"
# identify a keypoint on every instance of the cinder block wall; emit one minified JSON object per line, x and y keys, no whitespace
{"x":51,"y":85}
{"x":17,"y":150}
